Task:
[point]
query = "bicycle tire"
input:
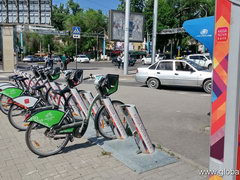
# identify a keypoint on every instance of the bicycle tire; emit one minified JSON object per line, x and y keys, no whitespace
{"x":34,"y":145}
{"x":18,"y":122}
{"x":108,"y":132}
{"x":4,"y":104}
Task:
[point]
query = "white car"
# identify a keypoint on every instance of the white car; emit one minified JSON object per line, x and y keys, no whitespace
{"x":83,"y":59}
{"x":148,"y":59}
{"x":175,"y":73}
{"x":203,"y":60}
{"x":29,"y":58}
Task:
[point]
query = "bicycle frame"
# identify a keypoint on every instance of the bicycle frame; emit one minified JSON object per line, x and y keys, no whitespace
{"x":119,"y":130}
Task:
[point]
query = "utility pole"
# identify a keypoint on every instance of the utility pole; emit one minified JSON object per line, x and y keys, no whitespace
{"x":126,"y":40}
{"x":154,"y":36}
{"x":76,"y":53}
{"x":97,"y":48}
{"x":104,"y":44}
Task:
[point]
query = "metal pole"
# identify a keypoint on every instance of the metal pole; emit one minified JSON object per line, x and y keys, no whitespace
{"x":233,"y":95}
{"x":40,"y":48}
{"x":76,"y":53}
{"x":154,"y":36}
{"x":97,"y":49}
{"x":21,"y":41}
{"x":104,"y":44}
{"x":148,"y":43}
{"x":126,"y":40}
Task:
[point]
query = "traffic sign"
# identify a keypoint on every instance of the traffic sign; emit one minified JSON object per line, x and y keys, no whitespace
{"x":76,"y":31}
{"x":76,"y":36}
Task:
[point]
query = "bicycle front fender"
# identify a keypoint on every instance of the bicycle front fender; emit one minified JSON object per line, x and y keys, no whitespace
{"x":12,"y":92}
{"x":26,"y":101}
{"x":47,"y":118}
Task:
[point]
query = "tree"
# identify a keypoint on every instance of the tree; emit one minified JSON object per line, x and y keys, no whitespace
{"x":136,"y":5}
{"x":59,"y":15}
{"x":74,"y":7}
{"x":172,"y":14}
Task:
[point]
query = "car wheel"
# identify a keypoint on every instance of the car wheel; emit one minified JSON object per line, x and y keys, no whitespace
{"x":210,"y":66}
{"x":207,"y":86}
{"x":143,"y":62}
{"x":153,"y":83}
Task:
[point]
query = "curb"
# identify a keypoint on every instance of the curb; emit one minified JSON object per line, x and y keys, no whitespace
{"x":179,"y":156}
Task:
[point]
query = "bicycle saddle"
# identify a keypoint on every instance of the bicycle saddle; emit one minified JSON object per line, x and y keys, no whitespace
{"x":38,"y":87}
{"x":61,"y":92}
{"x":22,"y":78}
{"x":14,"y":77}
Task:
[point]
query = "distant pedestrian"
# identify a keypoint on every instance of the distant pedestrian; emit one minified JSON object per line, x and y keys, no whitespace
{"x":46,"y":61}
{"x":122,"y":62}
{"x":119,"y":61}
{"x":64,"y":62}
{"x":50,"y":61}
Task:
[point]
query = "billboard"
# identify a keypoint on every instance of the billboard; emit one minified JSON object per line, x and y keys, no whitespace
{"x":25,"y":12}
{"x":117,"y":26}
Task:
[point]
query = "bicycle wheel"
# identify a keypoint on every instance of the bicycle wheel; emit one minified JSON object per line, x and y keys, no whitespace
{"x":17,"y":116}
{"x":5,"y":103}
{"x":103,"y":122}
{"x":41,"y":141}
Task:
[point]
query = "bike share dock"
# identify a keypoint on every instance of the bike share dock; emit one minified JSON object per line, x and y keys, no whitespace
{"x":136,"y":151}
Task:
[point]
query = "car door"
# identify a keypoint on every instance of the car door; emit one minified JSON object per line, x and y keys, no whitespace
{"x":194,"y":59}
{"x":165,"y":73}
{"x":185,"y":74}
{"x":202,"y":61}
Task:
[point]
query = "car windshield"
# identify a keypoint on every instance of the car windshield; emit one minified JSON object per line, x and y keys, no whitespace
{"x":82,"y":56}
{"x":196,"y":66}
{"x":208,"y":57}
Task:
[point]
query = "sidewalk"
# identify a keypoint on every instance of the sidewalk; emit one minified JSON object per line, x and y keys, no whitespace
{"x":80,"y":160}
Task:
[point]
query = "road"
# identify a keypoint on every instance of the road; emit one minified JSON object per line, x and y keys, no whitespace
{"x":176,"y":118}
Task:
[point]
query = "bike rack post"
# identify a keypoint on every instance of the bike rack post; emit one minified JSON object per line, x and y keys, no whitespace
{"x":139,"y":132}
{"x":119,"y":130}
{"x":89,"y":97}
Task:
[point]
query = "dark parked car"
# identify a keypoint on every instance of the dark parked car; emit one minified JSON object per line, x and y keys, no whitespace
{"x":40,"y":59}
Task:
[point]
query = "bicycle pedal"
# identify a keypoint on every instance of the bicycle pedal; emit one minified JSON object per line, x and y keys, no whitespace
{"x":71,"y":138}
{"x":139,"y":152}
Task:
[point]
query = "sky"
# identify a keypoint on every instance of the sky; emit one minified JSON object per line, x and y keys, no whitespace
{"x":104,"y":5}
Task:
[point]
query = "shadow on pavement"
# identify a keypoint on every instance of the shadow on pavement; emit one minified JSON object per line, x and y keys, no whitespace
{"x":179,"y":88}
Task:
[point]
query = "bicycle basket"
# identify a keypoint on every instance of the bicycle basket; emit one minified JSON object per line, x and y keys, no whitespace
{"x":76,"y":78}
{"x":54,"y":75}
{"x":109,"y":85}
{"x":36,"y":73}
{"x":43,"y":76}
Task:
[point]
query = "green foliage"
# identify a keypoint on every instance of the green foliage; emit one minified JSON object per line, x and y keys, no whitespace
{"x":32,"y":42}
{"x":172,"y":14}
{"x":136,"y":5}
{"x":74,"y":7}
{"x":59,"y":15}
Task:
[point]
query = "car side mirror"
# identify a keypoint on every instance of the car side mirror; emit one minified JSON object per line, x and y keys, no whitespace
{"x":192,"y":70}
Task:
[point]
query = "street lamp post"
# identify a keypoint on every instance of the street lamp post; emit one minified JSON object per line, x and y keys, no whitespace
{"x":126,"y":41}
{"x":154,"y":36}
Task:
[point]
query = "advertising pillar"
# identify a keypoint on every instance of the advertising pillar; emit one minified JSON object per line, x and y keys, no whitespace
{"x":224,"y":141}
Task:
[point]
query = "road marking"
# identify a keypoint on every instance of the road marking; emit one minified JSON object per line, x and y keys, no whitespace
{"x":182,"y":93}
{"x":205,"y":95}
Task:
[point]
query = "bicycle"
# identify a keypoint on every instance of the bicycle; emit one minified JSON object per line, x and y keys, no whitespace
{"x":50,"y":130}
{"x":23,"y":106}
